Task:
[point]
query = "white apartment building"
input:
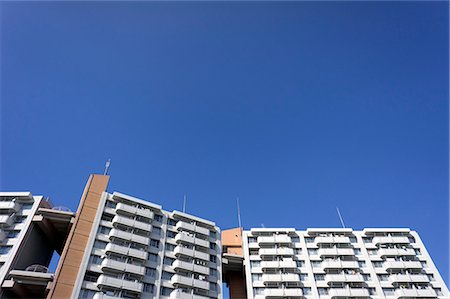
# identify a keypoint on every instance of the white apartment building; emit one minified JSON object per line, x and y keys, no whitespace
{"x":339,"y":263}
{"x":138,"y":250}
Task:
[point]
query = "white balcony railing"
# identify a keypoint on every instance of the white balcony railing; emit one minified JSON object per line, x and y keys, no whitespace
{"x":400,"y":278}
{"x":331,"y":278}
{"x":119,"y":283}
{"x":281,"y":277}
{"x":335,"y":251}
{"x":179,"y":250}
{"x":289,"y":263}
{"x":10,"y":206}
{"x":402,"y":265}
{"x":123,"y":267}
{"x":183,"y":237}
{"x":131,"y":223}
{"x":128,"y":236}
{"x":396,"y":251}
{"x":390,"y":239}
{"x":136,"y":253}
{"x":274,"y":239}
{"x":6,"y":220}
{"x":184,"y":226}
{"x":348,"y":292}
{"x":331,"y":240}
{"x":189,"y":281}
{"x":337,"y":264}
{"x":276,"y":251}
{"x":283,"y":292}
{"x":134,"y":210}
{"x":415,"y":293}
{"x":190,"y":267}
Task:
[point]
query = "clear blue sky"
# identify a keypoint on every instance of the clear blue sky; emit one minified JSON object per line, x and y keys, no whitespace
{"x":294,"y":107}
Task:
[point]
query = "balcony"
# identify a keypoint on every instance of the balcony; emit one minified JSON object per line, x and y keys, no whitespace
{"x":335,"y":251}
{"x":122,"y":267}
{"x":99,"y":295}
{"x":131,"y":223}
{"x":9,"y":206}
{"x":414,"y":293}
{"x":331,"y":240}
{"x":330,"y":278}
{"x":396,"y":251}
{"x":181,"y":237}
{"x":390,"y":239}
{"x":6,"y":220}
{"x":276,"y":251}
{"x":279,"y":264}
{"x":179,"y":294}
{"x":184,"y":226}
{"x":349,"y":292}
{"x":330,"y":264}
{"x":283,"y":293}
{"x":190,"y":267}
{"x":134,"y":210}
{"x":128,"y":236}
{"x":179,"y":250}
{"x":275,"y":239}
{"x":119,"y":283}
{"x":402,"y":265}
{"x":400,"y":278}
{"x":282,"y":277}
{"x":2,"y":235}
{"x":178,"y":279}
{"x":136,"y":253}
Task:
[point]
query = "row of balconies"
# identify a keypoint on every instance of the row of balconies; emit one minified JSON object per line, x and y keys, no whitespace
{"x":134,"y":210}
{"x":6,"y":220}
{"x":122,"y":266}
{"x":189,"y":266}
{"x":178,"y":294}
{"x":9,"y":206}
{"x":294,"y":292}
{"x":183,"y":237}
{"x":131,"y":223}
{"x":119,"y":283}
{"x":179,"y":280}
{"x":184,"y":226}
{"x":128,"y":236}
{"x":179,"y":250}
{"x":132,"y":252}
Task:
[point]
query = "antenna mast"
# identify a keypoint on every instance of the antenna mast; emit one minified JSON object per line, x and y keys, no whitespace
{"x":239,"y":212}
{"x":107,"y":166}
{"x":340,"y":217}
{"x":184,"y":203}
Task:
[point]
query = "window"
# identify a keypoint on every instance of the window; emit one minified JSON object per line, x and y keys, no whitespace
{"x":254,"y":252}
{"x":297,"y":250}
{"x":91,"y":276}
{"x":84,"y":294}
{"x":20,"y":219}
{"x":110,"y":204}
{"x":256,"y":277}
{"x":170,"y":247}
{"x":312,"y":251}
{"x":100,"y":244}
{"x":13,"y":234}
{"x":158,"y":218}
{"x":300,"y":264}
{"x":378,"y":264}
{"x":171,"y":234}
{"x":258,"y":291}
{"x":316,"y":264}
{"x":152,"y":257}
{"x":27,"y":206}
{"x":319,"y":277}
{"x":5,"y":249}
{"x":213,"y":258}
{"x":255,"y":263}
{"x":166,"y":291}
{"x":295,"y":239}
{"x":212,"y":234}
{"x":104,"y":230}
{"x":322,"y":291}
{"x":366,"y":277}
{"x":212,"y":245}
{"x":309,"y":240}
{"x":154,"y":243}
{"x":357,"y":251}
{"x":424,"y":264}
{"x":372,"y":291}
{"x":252,"y":240}
{"x":151,"y":272}
{"x":168,"y":261}
{"x":303,"y":277}
{"x":149,"y":288}
{"x":156,"y":230}
{"x":306,"y":291}
{"x":362,"y":264}
{"x":95,"y":259}
{"x":352,"y":239}
{"x":383,"y":277}
{"x":171,"y":222}
{"x":372,"y":251}
{"x":388,"y":292}
{"x":212,"y":272}
{"x":167,"y":275}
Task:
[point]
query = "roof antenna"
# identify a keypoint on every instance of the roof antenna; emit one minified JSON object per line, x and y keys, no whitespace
{"x":340,"y":217}
{"x":184,"y":203}
{"x":107,"y":166}
{"x":239,"y":212}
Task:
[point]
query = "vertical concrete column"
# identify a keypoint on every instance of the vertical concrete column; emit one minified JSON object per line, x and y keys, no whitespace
{"x":74,"y":248}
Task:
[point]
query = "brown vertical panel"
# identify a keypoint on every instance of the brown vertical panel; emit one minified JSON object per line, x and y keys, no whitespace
{"x":232,"y":241}
{"x":74,"y":248}
{"x":234,"y":278}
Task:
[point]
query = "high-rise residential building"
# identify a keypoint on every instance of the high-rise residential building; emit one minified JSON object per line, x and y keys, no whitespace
{"x":119,"y":246}
{"x":329,"y":263}
{"x":31,"y":230}
{"x":125,"y":247}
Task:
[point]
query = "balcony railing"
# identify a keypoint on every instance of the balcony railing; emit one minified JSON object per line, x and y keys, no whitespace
{"x":184,"y":226}
{"x":335,"y":251}
{"x":10,"y":206}
{"x":390,"y":239}
{"x":413,"y":293}
{"x":276,"y":251}
{"x":330,"y":264}
{"x":279,"y":264}
{"x":179,"y":250}
{"x":182,"y":237}
{"x":136,"y":253}
{"x":331,"y":240}
{"x":330,"y":278}
{"x":100,"y":295}
{"x":402,"y":265}
{"x":190,"y":267}
{"x":122,"y":267}
{"x":400,"y":278}
{"x":119,"y":283}
{"x":131,"y":223}
{"x":179,"y":294}
{"x":283,"y":292}
{"x":6,"y":220}
{"x":348,"y":292}
{"x":396,"y":251}
{"x":178,"y":279}
{"x":274,"y":239}
{"x":134,"y":210}
{"x":128,"y":236}
{"x":282,"y":277}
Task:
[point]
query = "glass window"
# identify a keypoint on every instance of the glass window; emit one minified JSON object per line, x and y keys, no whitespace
{"x":151,"y":272}
{"x":212,"y":258}
{"x":167,"y":275}
{"x":156,"y":230}
{"x":149,"y":288}
{"x":158,"y":217}
{"x":152,"y":257}
{"x":255,"y":263}
{"x":168,"y":260}
{"x":171,"y":222}
{"x":306,"y":291}
{"x":5,"y":249}
{"x":171,"y":234}
{"x":170,"y":247}
{"x":166,"y":291}
{"x":13,"y":234}
{"x":154,"y":243}
{"x":252,"y":240}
